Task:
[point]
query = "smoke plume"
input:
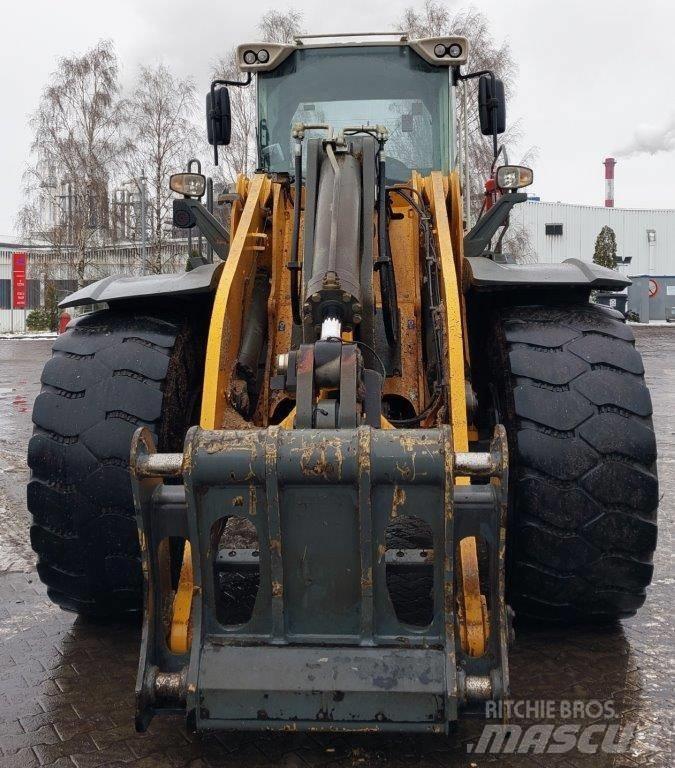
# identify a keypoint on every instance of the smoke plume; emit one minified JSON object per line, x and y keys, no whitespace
{"x":650,"y":139}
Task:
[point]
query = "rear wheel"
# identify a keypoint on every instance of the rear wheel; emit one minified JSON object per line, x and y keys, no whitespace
{"x":570,"y":391}
{"x":111,"y":372}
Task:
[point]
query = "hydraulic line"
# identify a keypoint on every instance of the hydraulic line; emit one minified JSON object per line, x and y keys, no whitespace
{"x":432,"y":286}
{"x":293,"y":264}
{"x":384,"y":263}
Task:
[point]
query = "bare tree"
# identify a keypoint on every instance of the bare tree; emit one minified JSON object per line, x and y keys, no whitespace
{"x":240,"y":156}
{"x":279,"y":26}
{"x":76,"y":148}
{"x":431,"y":19}
{"x":161,"y":139}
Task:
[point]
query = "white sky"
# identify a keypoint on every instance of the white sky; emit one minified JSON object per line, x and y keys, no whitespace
{"x":591,"y":74}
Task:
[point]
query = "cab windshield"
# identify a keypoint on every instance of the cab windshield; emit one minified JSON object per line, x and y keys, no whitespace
{"x":361,"y":85}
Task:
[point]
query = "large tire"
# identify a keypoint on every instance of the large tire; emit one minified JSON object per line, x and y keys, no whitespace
{"x":570,"y":391}
{"x":111,"y":372}
{"x":411,"y":588}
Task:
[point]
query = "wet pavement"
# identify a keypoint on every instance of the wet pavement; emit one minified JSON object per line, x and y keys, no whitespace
{"x":66,"y":685}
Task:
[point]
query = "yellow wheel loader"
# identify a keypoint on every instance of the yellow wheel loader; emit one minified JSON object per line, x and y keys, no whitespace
{"x":324,"y":460}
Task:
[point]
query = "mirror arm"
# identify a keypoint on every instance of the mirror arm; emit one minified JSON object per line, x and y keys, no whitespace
{"x":477,"y":239}
{"x":215,"y":233}
{"x":502,"y":151}
{"x":493,"y":106}
{"x":214,"y":115}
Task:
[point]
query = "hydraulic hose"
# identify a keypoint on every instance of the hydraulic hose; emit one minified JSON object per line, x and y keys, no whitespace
{"x":293,"y":264}
{"x":384,"y":263}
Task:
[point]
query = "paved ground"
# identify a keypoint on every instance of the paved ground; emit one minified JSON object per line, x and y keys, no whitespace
{"x":66,"y":686}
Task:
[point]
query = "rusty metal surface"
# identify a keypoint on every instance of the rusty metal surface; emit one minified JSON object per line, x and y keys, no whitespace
{"x":66,"y":686}
{"x":353,"y":663}
{"x":405,"y":246}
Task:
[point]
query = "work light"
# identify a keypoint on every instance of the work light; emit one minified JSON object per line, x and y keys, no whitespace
{"x":514,"y":177}
{"x":188,"y":184}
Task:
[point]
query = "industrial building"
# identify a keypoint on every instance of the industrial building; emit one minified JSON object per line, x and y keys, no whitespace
{"x":645,"y":242}
{"x":26,"y":271}
{"x":645,"y":245}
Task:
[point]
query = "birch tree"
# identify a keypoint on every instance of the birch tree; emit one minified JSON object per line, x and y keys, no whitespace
{"x":161,"y":140}
{"x":433,"y":19}
{"x":240,"y":156}
{"x":76,"y":149}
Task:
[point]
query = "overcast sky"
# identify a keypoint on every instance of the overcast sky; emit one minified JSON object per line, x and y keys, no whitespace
{"x":595,"y":76}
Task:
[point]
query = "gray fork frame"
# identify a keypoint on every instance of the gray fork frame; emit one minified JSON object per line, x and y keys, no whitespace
{"x":323,"y":648}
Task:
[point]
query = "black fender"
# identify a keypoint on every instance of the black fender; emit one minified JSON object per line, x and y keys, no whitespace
{"x":487,"y":275}
{"x":203,"y":279}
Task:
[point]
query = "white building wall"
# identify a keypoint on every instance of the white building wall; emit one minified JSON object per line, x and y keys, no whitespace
{"x":582,"y":224}
{"x":42,"y":265}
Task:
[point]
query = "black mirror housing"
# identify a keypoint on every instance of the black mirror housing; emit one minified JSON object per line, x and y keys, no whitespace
{"x":491,"y":106}
{"x":218,"y":117}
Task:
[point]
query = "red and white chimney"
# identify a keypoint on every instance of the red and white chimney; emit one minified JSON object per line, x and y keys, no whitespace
{"x":609,"y":163}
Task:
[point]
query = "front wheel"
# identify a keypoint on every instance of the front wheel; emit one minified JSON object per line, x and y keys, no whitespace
{"x":569,"y":387}
{"x":111,"y":372}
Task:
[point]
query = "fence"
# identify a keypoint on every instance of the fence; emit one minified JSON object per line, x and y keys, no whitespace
{"x":45,"y":267}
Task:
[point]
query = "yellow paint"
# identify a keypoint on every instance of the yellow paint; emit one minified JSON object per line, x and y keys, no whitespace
{"x":474,"y":635}
{"x":279,"y":321}
{"x":289,"y":421}
{"x":456,"y":221}
{"x":179,"y":636}
{"x":226,"y":317}
{"x":405,"y":245}
{"x":435,"y":190}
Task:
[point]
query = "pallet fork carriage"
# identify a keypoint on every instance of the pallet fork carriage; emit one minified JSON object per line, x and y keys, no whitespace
{"x":323,"y":644}
{"x":323,"y":459}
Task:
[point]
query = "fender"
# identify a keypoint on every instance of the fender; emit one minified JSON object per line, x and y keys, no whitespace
{"x":203,"y":279}
{"x":488,"y":275}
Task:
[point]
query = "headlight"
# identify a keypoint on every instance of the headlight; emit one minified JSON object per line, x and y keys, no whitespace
{"x":250,"y":57}
{"x":263,"y":56}
{"x":455,"y":50}
{"x":188,"y":184}
{"x":514,"y":176}
{"x":440,"y":50}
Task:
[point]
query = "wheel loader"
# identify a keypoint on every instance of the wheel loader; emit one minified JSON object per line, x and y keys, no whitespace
{"x":330,"y":462}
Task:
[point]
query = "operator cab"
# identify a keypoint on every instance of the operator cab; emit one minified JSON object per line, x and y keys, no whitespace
{"x":399,"y":85}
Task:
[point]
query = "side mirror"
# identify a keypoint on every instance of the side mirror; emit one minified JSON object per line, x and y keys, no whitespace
{"x":491,"y":106}
{"x":218,"y":117}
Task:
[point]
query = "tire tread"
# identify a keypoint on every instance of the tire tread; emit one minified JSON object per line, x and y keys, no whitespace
{"x":582,"y":524}
{"x":110,"y":372}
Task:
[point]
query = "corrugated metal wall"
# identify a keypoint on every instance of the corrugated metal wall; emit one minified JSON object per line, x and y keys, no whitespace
{"x":582,"y":224}
{"x":44,"y":266}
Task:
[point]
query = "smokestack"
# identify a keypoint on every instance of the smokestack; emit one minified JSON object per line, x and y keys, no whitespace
{"x":609,"y":163}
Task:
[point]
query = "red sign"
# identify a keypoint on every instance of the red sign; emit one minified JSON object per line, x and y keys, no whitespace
{"x":653,"y":288}
{"x":19,"y":279}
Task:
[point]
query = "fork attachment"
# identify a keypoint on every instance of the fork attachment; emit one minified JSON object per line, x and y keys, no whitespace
{"x":314,"y":638}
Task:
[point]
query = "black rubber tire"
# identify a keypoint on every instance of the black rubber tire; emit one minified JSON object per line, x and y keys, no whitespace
{"x":411,"y":588}
{"x":111,"y":372}
{"x":570,"y":391}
